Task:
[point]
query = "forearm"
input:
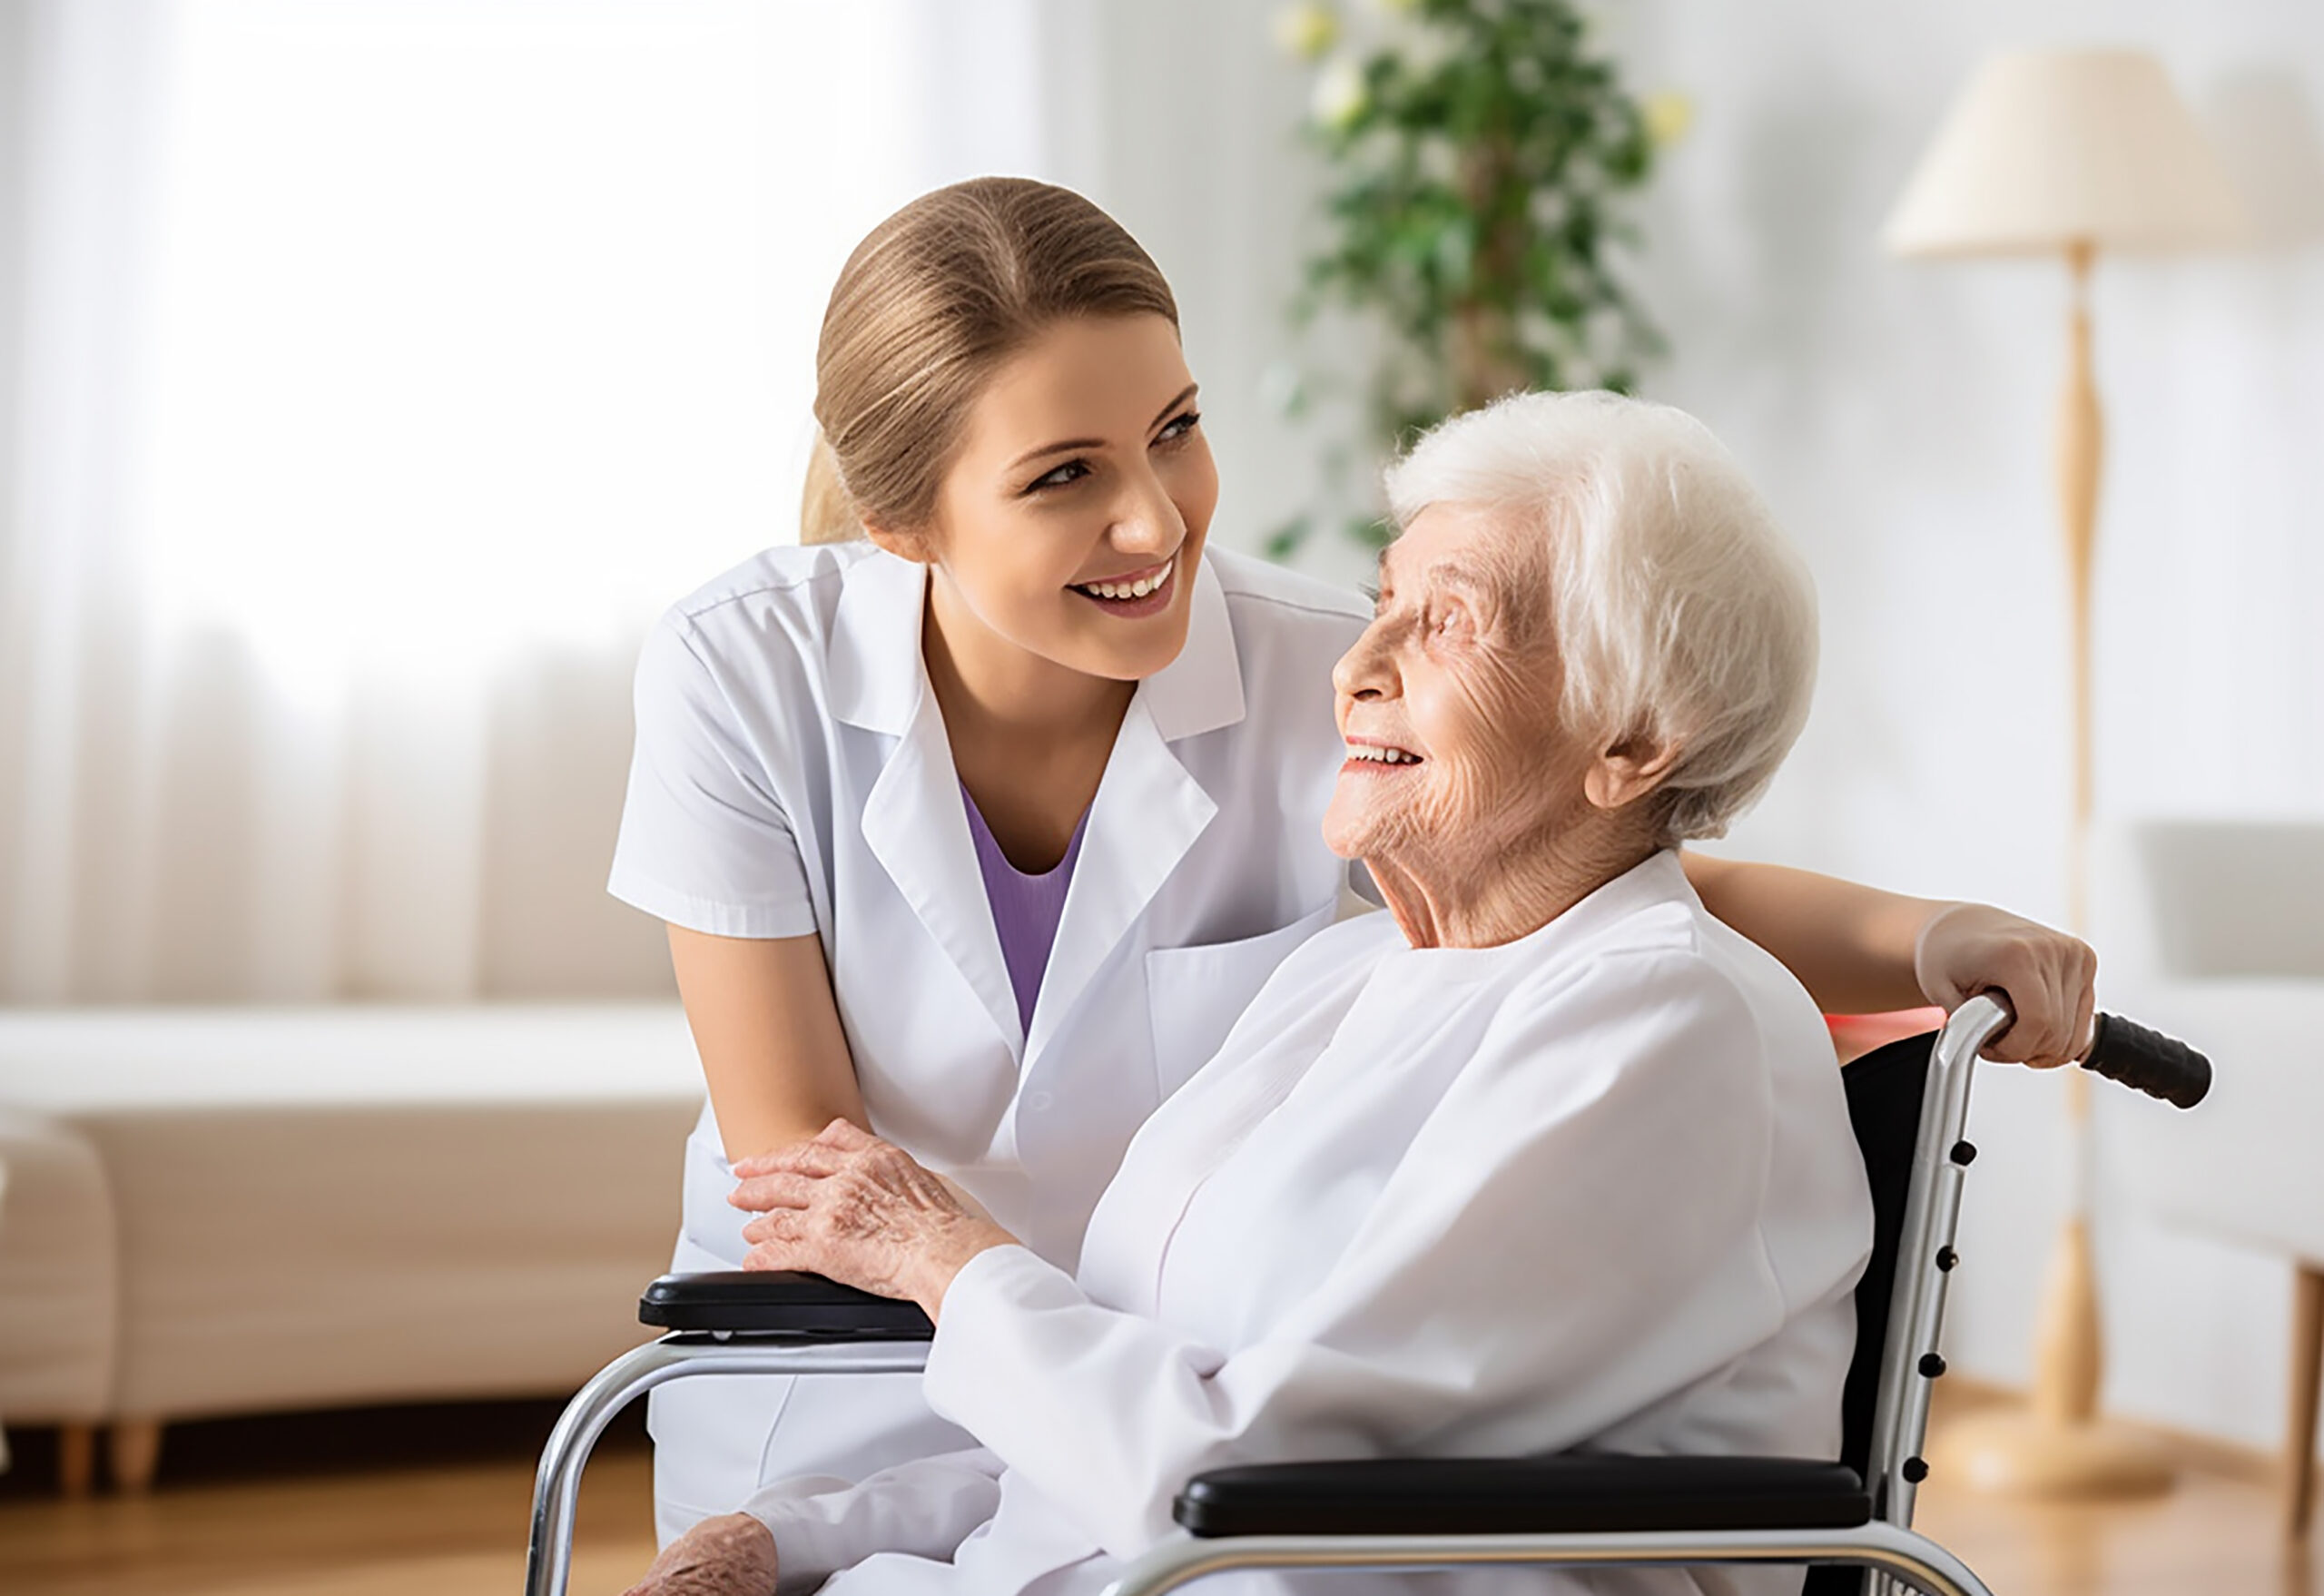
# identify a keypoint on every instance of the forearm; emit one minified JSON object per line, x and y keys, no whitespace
{"x":1853,"y":946}
{"x":773,"y":1050}
{"x":926,"y":1508}
{"x":1105,"y":1413}
{"x":750,"y":1127}
{"x":930,"y":1262}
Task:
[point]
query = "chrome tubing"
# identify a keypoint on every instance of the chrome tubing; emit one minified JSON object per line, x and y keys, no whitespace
{"x":1924,"y":1253}
{"x":1913,"y":1560}
{"x":556,"y":1488}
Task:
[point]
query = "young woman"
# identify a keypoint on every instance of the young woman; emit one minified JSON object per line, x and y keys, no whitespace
{"x":978,"y":820}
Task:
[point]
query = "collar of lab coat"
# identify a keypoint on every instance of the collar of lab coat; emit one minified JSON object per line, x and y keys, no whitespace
{"x":1147,"y":813}
{"x":877,"y":675}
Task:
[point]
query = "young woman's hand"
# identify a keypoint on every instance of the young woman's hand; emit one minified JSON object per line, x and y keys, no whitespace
{"x":861,"y":1211}
{"x":729,"y":1555}
{"x":2049,"y":978}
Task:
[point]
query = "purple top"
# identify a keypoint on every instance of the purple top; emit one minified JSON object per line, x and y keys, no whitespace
{"x":1025,"y":908}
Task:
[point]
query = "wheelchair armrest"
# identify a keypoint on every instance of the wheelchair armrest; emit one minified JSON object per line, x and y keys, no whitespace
{"x":1572,"y":1491}
{"x":778,"y":1302}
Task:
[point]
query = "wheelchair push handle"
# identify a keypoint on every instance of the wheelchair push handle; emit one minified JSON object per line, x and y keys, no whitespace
{"x":2158,"y":1065}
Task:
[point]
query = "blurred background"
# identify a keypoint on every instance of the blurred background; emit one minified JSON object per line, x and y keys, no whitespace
{"x":373,"y":371}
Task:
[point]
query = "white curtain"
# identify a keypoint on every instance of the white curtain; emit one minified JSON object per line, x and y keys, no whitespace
{"x":378,"y":368}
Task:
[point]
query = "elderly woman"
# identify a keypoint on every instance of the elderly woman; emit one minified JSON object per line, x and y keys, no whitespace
{"x":1546,"y":1158}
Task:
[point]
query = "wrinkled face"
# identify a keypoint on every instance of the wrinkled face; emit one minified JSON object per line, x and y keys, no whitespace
{"x":1448,"y":704}
{"x":1070,"y":524}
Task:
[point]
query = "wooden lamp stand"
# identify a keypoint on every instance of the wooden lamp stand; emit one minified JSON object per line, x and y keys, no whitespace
{"x":2059,"y":1446}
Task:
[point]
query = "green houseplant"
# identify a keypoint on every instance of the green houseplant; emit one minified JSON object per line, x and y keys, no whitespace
{"x":1478,"y":154}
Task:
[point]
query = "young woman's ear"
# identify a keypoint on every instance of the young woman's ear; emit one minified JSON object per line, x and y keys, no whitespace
{"x":914,"y":545}
{"x":1629,"y":771}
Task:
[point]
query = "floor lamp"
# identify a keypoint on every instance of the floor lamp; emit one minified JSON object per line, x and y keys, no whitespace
{"x":2066,"y":154}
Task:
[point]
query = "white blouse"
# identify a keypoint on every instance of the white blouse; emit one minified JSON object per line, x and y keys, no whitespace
{"x":1593,"y":1189}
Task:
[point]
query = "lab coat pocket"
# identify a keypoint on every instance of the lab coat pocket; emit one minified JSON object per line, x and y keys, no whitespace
{"x":1197,"y":994}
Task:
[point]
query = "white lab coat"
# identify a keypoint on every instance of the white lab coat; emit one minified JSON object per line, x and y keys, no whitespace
{"x":1594,"y":1188}
{"x":793,"y":775}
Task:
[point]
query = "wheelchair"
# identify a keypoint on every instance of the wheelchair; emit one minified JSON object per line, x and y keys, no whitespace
{"x":1848,"y":1520}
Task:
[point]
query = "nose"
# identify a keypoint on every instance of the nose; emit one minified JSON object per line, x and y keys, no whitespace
{"x":1367,"y":670}
{"x":1147,"y":518}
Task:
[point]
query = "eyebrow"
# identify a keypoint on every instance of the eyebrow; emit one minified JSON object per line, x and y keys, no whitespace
{"x":1462,"y":572}
{"x":1467,"y":573}
{"x":1071,"y":444}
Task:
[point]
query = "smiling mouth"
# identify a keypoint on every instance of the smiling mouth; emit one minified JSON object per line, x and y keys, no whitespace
{"x":1378,"y":754}
{"x":1136,"y":586}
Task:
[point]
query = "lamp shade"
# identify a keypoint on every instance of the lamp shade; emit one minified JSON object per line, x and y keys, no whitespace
{"x":2048,"y":149}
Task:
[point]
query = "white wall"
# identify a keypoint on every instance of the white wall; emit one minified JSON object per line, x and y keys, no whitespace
{"x":1898,"y":416}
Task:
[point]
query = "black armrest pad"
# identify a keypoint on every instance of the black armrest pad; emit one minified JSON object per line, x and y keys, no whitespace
{"x":1533,"y":1495}
{"x":764,"y":1301}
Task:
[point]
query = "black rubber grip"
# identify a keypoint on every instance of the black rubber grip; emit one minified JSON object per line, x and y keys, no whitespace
{"x":2160,"y":1066}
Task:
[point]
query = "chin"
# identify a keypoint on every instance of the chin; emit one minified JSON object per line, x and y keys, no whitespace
{"x":1346,"y":835}
{"x":1134,"y":660}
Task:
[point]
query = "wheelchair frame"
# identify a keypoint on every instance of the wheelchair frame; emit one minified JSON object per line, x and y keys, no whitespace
{"x":1885,"y":1544}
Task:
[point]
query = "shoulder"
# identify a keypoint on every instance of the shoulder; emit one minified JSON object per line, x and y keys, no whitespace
{"x":752,"y":642}
{"x":1651,"y":910}
{"x":1268,"y":604}
{"x":1337,"y":960}
{"x":769,"y":623}
{"x":1253,"y":582}
{"x":1644,"y":960}
{"x":1287,"y":632}
{"x":791,"y":588}
{"x":1359,"y":940}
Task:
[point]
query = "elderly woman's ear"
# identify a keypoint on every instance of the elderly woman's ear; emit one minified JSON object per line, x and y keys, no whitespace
{"x":1629,"y":771}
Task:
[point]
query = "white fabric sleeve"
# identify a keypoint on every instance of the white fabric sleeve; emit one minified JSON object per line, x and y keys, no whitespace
{"x":705,"y":842}
{"x":924,"y":1508}
{"x":1571,"y":1236}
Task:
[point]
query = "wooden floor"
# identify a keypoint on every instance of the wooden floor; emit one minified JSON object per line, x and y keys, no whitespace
{"x":275,"y":1513}
{"x":390,"y":1502}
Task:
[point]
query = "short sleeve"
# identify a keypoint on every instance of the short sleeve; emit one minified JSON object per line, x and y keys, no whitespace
{"x":705,"y":842}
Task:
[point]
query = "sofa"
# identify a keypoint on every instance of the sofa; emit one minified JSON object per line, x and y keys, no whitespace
{"x":2217,"y":928}
{"x":222,"y":1211}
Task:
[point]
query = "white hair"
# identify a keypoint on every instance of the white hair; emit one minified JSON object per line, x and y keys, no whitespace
{"x":1679,"y":611}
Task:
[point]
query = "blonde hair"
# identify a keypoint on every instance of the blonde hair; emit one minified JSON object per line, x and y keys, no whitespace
{"x":931,"y":303}
{"x":1679,"y":611}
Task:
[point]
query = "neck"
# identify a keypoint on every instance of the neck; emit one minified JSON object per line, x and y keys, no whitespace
{"x":991,"y":690}
{"x":1440,"y":903}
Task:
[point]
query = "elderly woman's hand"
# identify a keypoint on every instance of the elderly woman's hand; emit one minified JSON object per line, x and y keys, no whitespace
{"x":730,"y":1556}
{"x":861,"y":1211}
{"x":2049,"y":978}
